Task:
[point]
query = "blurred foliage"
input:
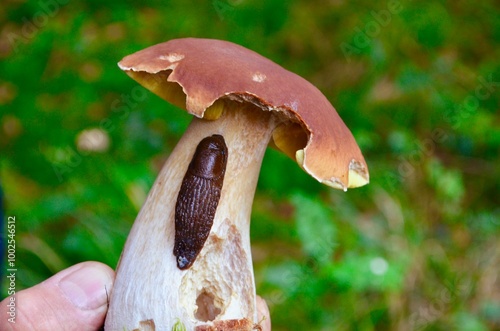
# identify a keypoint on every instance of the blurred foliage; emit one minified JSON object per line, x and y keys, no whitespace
{"x":418,"y":83}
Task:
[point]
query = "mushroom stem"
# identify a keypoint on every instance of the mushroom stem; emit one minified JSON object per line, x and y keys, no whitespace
{"x":150,"y":292}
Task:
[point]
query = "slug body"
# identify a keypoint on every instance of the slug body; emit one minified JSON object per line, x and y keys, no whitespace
{"x":198,"y":199}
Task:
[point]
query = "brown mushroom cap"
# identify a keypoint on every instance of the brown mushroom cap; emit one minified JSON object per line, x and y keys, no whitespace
{"x":208,"y":70}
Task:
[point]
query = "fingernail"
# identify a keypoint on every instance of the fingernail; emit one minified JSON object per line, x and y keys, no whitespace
{"x":86,"y":287}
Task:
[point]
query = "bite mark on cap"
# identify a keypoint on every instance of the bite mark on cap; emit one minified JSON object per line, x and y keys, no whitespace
{"x":172,"y":57}
{"x":259,"y":77}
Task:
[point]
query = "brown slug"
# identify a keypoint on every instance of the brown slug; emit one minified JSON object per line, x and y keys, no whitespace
{"x":198,"y":199}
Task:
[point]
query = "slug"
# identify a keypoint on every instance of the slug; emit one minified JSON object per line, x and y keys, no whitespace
{"x":198,"y":199}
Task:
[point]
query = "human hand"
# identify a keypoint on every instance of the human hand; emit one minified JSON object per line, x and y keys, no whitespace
{"x":74,"y":299}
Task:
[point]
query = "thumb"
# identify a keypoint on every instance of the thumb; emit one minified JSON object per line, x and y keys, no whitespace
{"x":73,"y":299}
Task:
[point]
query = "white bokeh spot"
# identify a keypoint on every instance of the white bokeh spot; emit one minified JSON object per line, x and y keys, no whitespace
{"x":378,"y":266}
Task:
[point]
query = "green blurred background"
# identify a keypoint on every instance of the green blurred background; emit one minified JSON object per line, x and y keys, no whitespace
{"x":418,"y":83}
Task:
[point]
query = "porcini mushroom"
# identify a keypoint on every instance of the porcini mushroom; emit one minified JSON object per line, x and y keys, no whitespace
{"x":245,"y":101}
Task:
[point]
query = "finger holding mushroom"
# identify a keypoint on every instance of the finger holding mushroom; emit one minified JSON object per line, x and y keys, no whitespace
{"x":187,"y":259}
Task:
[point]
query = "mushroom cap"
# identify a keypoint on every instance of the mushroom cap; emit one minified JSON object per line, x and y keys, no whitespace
{"x":208,"y":70}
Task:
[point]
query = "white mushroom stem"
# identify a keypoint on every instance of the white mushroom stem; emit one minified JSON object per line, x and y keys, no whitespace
{"x":150,"y":292}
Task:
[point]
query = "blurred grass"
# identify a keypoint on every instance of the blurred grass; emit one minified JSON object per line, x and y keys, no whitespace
{"x":418,"y":84}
